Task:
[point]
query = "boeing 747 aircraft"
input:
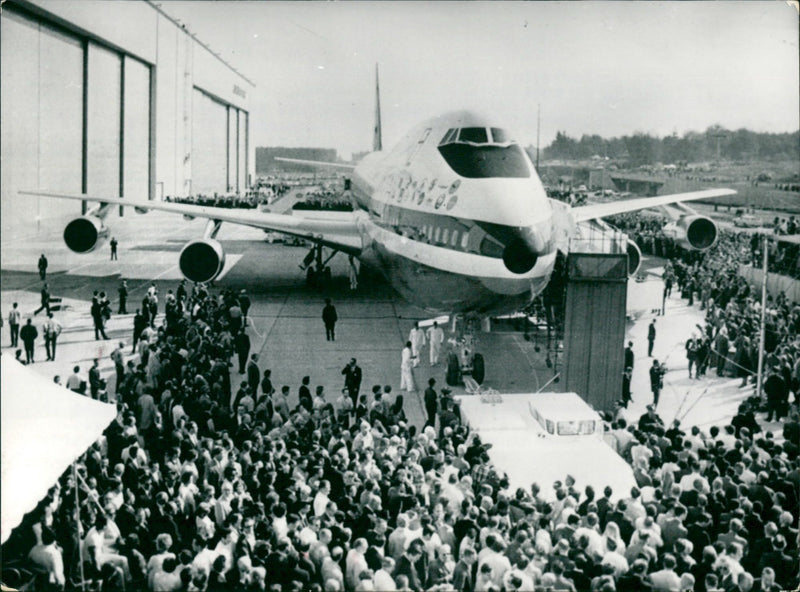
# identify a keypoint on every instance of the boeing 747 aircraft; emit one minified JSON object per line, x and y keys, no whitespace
{"x":454,"y":216}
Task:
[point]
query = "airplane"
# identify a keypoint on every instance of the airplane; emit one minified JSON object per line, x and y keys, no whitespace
{"x":454,"y":216}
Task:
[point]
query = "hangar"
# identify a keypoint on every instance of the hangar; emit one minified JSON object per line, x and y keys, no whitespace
{"x":113,"y":98}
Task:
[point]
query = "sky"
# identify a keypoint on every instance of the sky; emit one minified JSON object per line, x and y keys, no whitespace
{"x":608,"y":68}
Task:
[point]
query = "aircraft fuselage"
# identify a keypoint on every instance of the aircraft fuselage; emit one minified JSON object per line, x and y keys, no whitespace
{"x":456,"y":218}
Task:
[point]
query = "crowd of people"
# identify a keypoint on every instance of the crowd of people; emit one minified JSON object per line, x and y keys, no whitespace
{"x":199,"y":485}
{"x":729,"y":339}
{"x":732,"y":247}
{"x":324,"y":199}
{"x":220,"y":200}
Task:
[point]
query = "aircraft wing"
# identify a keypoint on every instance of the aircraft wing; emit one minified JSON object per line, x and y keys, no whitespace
{"x":601,"y":210}
{"x":339,"y":233}
{"x":320,"y":163}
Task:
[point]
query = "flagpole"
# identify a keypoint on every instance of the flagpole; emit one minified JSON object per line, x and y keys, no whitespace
{"x":78,"y":524}
{"x":759,"y":378}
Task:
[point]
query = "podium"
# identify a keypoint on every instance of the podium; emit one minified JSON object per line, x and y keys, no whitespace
{"x":594,"y":327}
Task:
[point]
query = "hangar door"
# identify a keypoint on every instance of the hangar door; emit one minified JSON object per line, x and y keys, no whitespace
{"x":42,"y":120}
{"x":209,"y":145}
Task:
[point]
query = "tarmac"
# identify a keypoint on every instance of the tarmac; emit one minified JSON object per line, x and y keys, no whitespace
{"x":286,"y":328}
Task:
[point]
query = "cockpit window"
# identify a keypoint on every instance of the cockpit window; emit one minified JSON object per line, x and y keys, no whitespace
{"x":449,"y":136}
{"x":476,"y":135}
{"x":500,"y":136}
{"x":482,"y":153}
{"x":486,"y":161}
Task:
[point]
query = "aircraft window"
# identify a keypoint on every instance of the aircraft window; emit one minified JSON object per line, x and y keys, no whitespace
{"x":500,"y":136}
{"x":454,"y":240}
{"x":476,"y":135}
{"x":487,"y":161}
{"x":464,"y":240}
{"x":445,"y":235}
{"x":436,"y":234}
{"x":449,"y":136}
{"x":549,"y":426}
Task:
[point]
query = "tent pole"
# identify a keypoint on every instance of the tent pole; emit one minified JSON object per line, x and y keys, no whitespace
{"x":760,"y":373}
{"x":78,"y":524}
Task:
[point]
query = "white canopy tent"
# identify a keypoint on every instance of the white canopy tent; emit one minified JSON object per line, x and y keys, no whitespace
{"x":44,"y":428}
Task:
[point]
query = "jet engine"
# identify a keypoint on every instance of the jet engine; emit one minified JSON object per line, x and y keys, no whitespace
{"x":202,"y":260}
{"x":84,"y":234}
{"x":692,"y":231}
{"x":634,"y":258}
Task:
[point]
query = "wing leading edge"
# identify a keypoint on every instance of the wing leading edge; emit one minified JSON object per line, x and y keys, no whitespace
{"x":318,"y":163}
{"x":601,"y":210}
{"x":341,"y":234}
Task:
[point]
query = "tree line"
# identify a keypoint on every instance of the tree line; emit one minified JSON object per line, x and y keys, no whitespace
{"x":715,"y":143}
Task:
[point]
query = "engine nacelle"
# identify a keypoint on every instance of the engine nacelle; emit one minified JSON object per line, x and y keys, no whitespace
{"x":693,"y":232}
{"x":634,"y":258}
{"x":84,"y":234}
{"x":202,"y":260}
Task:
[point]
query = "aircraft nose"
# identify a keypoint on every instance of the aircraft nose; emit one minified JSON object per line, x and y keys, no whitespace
{"x":523,"y":250}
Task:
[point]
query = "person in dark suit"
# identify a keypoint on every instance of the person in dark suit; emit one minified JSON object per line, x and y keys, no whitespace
{"x":29,"y":334}
{"x":656,"y":380}
{"x":244,"y":304}
{"x":352,"y":379}
{"x":651,"y":338}
{"x":304,"y":394}
{"x":94,"y":379}
{"x":329,"y":317}
{"x":431,"y":399}
{"x":629,"y":357}
{"x":626,"y":386}
{"x":123,"y":297}
{"x":139,"y":323}
{"x":253,"y":373}
{"x":45,"y":300}
{"x":42,"y":267}
{"x":406,"y":565}
{"x":241,"y":344}
{"x":777,"y":393}
{"x":462,"y":573}
{"x":97,"y":317}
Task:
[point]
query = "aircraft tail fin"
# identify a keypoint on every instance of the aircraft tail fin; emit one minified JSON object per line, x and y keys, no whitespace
{"x":377,"y":143}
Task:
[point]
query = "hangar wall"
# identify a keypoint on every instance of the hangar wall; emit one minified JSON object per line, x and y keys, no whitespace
{"x":140,"y":111}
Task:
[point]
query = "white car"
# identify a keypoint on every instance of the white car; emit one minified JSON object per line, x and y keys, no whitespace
{"x":543,"y":437}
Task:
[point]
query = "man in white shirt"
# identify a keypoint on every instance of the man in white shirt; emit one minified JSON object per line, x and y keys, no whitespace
{"x":167,"y":579}
{"x":666,"y":580}
{"x":355,"y":562}
{"x":383,"y":577}
{"x":321,"y":499}
{"x":51,"y":330}
{"x":417,"y":338}
{"x":47,"y":556}
{"x":496,"y":560}
{"x":74,"y":381}
{"x":14,"y":318}
{"x":436,"y":338}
